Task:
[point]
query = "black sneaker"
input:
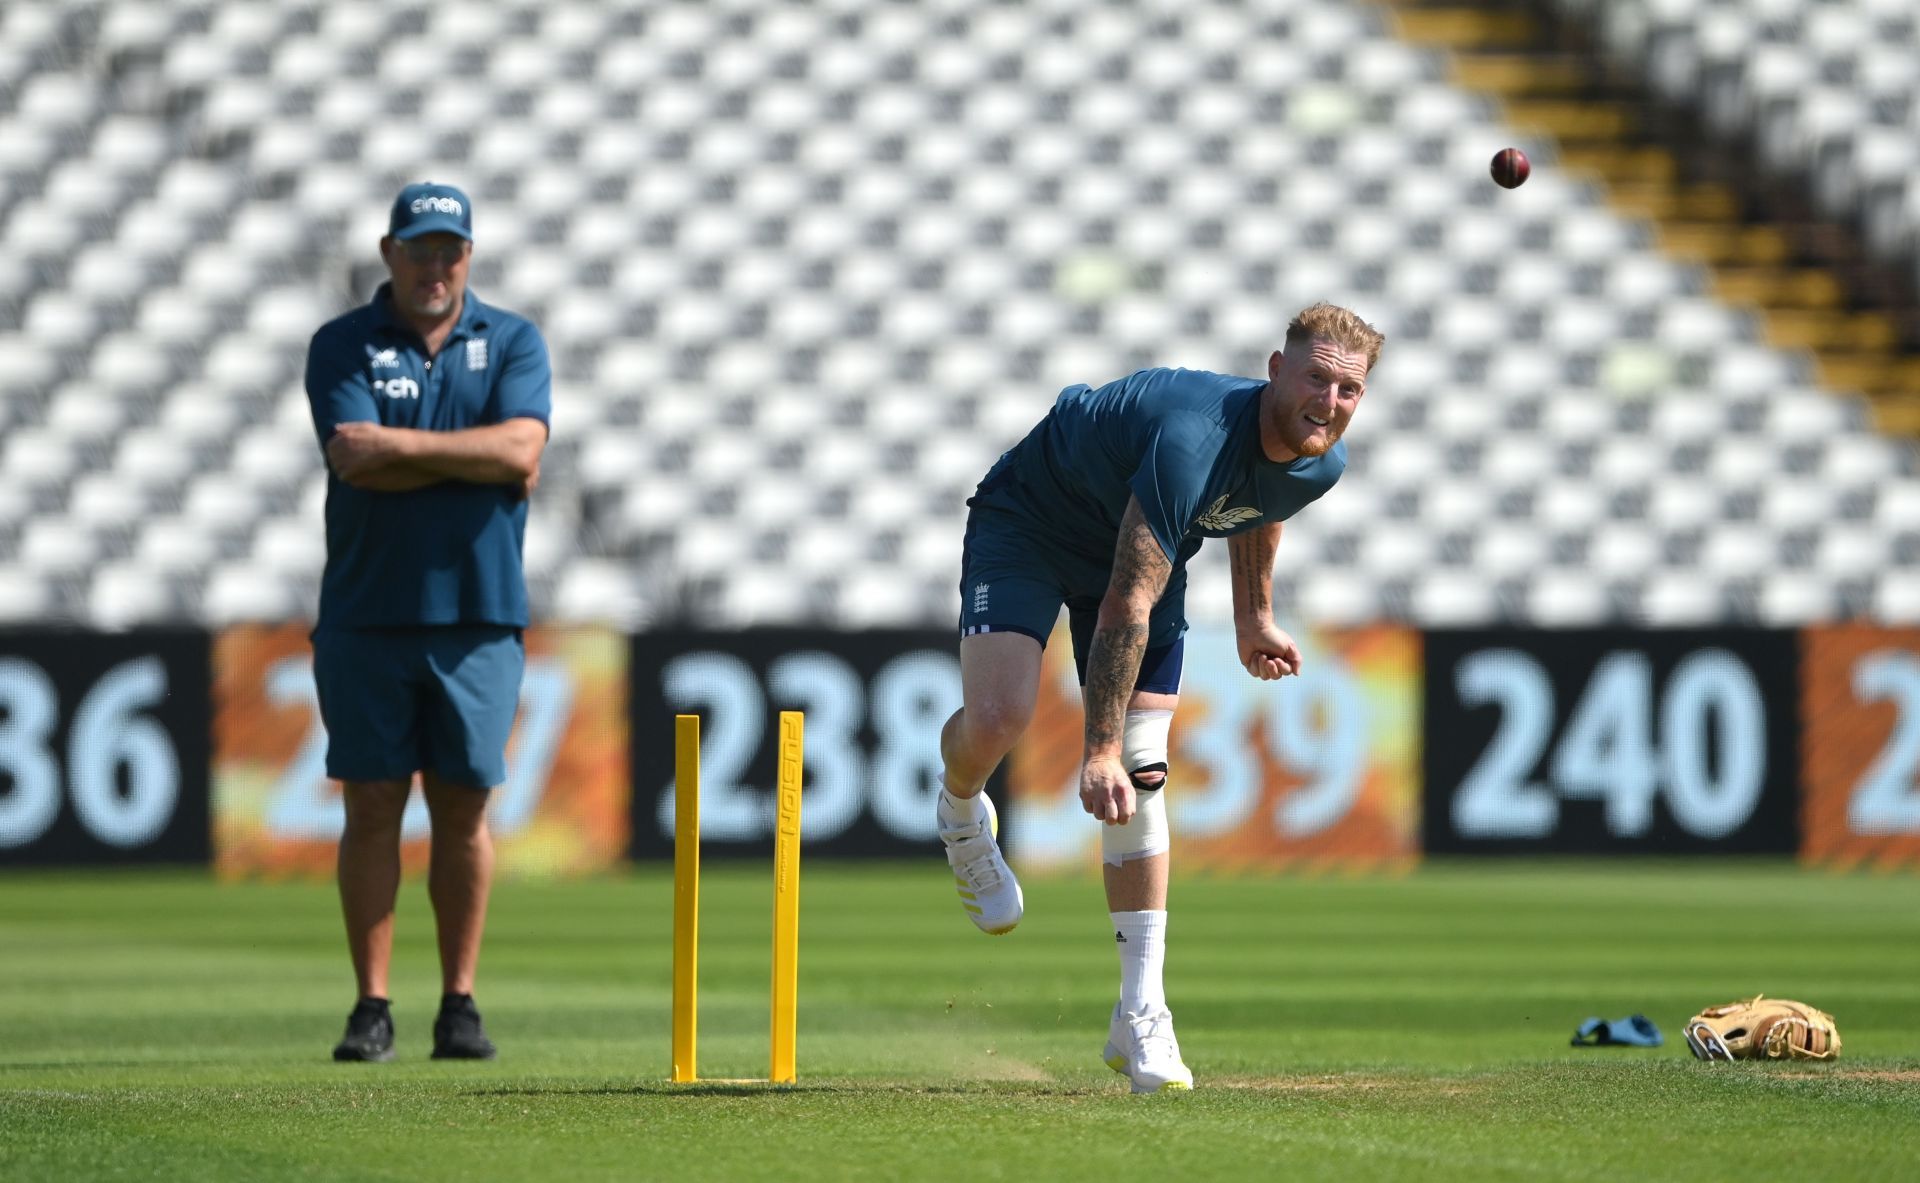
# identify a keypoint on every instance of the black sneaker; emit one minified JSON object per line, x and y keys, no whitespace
{"x":369,"y":1034}
{"x":457,"y":1033}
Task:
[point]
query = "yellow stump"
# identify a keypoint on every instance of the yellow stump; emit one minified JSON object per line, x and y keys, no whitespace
{"x":786,"y":896}
{"x":686,"y":892}
{"x":786,"y":900}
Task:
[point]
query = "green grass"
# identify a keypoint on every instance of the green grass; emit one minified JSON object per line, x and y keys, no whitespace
{"x":163,"y":1027}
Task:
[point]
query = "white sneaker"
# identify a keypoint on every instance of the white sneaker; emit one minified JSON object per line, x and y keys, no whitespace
{"x":988,"y":890}
{"x":1142,"y":1048}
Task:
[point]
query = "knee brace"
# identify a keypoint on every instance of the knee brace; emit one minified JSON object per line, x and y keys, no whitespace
{"x":1143,"y":751}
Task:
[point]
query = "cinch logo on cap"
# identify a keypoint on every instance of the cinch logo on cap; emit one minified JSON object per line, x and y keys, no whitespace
{"x":428,"y":208}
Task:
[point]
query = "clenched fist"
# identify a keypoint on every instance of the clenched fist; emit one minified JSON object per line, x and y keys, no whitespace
{"x":1266,"y":652}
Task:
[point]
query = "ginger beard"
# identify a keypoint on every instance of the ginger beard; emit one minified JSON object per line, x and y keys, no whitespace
{"x":1314,"y":398}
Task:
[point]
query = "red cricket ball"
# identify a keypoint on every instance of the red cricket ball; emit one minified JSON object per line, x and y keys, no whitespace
{"x":1510,"y":168}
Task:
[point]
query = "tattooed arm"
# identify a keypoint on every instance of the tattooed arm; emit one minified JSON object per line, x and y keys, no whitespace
{"x":1265,"y":651}
{"x":1251,"y":554}
{"x":1140,"y":573}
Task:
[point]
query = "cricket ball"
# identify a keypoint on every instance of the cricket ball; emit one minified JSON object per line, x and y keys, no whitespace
{"x":1510,"y":168}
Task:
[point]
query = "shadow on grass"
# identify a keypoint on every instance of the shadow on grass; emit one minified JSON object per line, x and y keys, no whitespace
{"x":748,"y":1088}
{"x":662,"y":1089}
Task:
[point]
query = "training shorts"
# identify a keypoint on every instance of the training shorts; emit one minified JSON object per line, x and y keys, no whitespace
{"x":404,"y":700}
{"x":1011,"y":582}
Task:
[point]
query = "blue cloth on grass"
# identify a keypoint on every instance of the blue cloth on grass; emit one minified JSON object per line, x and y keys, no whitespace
{"x":1632,"y":1031}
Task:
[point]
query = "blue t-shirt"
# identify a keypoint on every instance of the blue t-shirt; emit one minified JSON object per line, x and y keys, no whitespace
{"x":1185,"y":442}
{"x":448,"y":553}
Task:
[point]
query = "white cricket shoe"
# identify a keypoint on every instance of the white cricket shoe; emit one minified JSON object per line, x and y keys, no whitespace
{"x":1142,"y":1048}
{"x":988,"y":890}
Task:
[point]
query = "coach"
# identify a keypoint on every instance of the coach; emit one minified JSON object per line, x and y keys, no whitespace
{"x":432,"y":409}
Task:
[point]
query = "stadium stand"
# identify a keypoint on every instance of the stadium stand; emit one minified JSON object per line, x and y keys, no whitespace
{"x":806,"y":269}
{"x":1828,"y":90}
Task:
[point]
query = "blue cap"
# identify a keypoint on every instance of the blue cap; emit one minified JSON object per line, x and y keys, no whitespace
{"x":427,"y":208}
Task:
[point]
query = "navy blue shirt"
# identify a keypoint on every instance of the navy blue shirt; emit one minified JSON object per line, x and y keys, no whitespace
{"x":448,"y":553}
{"x":1185,"y":442}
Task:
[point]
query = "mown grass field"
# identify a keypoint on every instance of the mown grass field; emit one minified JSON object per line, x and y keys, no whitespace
{"x":161,"y":1026}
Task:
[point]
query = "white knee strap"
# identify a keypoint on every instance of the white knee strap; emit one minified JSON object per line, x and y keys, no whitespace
{"x":1143,"y":748}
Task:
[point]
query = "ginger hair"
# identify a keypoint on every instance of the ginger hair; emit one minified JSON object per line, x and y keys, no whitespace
{"x":1337,"y":326}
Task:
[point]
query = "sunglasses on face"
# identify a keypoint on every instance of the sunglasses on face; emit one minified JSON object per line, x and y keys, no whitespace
{"x":444,"y":253}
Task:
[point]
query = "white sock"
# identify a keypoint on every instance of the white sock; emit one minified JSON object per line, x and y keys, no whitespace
{"x":954,"y":812}
{"x":1141,"y":938}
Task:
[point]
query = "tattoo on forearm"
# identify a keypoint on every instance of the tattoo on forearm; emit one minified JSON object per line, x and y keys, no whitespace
{"x":1112,"y":668}
{"x":1140,"y":573}
{"x":1140,"y":567}
{"x":1251,"y":555}
{"x":1244,"y":582}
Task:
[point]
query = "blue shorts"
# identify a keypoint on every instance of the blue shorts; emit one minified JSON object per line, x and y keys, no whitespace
{"x":1011,"y":582}
{"x":400,"y":701}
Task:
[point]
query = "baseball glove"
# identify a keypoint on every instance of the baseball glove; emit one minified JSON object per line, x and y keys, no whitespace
{"x":1762,"y":1028}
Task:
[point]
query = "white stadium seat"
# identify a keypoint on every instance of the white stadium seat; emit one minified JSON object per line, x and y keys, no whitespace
{"x":24,"y":596}
{"x":52,"y":546}
{"x":599,"y":591}
{"x":175,"y":546}
{"x":124,"y":595}
{"x":1681,"y":599}
{"x":1558,"y":598}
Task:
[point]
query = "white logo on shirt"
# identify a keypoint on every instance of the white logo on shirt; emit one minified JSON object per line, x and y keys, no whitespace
{"x":979,"y":597}
{"x":397,"y":387}
{"x":477,"y":353}
{"x":383,"y":359}
{"x":1219,"y":517}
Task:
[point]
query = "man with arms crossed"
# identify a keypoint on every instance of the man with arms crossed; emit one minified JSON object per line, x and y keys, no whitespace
{"x":1099,"y":508}
{"x":432,"y":409}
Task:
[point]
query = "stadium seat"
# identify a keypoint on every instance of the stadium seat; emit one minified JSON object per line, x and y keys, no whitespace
{"x":1681,"y":599}
{"x":598,"y":591}
{"x":238,"y":594}
{"x":175,"y":546}
{"x":24,"y":598}
{"x":1560,"y":598}
{"x":122,"y":595}
{"x":294,"y":549}
{"x":1790,"y":599}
